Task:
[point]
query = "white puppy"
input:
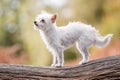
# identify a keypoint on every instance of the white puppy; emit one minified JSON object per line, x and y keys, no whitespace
{"x":58,"y":39}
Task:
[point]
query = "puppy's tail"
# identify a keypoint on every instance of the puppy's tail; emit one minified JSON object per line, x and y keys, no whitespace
{"x":103,"y":41}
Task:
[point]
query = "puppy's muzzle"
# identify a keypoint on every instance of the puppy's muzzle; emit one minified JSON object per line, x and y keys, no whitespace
{"x":35,"y":22}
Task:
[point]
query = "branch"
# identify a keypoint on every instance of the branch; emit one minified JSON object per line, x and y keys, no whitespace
{"x":102,"y":69}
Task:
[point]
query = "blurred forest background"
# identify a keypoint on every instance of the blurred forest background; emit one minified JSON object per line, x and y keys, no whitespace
{"x":21,"y":44}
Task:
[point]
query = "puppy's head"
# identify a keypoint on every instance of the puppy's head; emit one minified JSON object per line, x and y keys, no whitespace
{"x":44,"y":21}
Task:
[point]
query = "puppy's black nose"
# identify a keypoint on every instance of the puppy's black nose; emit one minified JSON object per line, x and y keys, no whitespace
{"x":35,"y":22}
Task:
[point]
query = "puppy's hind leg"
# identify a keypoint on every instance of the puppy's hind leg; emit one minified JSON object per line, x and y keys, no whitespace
{"x":84,"y":52}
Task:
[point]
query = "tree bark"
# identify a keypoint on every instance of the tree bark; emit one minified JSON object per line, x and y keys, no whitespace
{"x":102,"y":69}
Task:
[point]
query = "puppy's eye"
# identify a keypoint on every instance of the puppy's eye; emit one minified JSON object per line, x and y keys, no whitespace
{"x":43,"y":20}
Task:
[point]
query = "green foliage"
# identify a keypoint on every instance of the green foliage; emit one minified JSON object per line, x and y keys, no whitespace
{"x":10,"y":23}
{"x":70,"y":55}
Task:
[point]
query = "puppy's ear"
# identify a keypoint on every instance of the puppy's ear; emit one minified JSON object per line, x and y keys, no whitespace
{"x":53,"y":18}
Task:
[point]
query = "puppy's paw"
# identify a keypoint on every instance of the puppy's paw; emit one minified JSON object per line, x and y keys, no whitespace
{"x":82,"y":62}
{"x":53,"y":65}
{"x":58,"y":65}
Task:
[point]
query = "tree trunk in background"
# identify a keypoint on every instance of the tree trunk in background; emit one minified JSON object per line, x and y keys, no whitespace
{"x":101,"y":69}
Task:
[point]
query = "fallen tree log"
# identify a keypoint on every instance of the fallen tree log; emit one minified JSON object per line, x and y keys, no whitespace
{"x":102,"y":69}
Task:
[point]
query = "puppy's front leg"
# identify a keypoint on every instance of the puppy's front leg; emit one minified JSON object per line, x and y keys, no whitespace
{"x":54,"y":59}
{"x":60,"y":57}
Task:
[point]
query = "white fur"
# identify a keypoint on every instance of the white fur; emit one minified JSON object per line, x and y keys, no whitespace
{"x":58,"y":39}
